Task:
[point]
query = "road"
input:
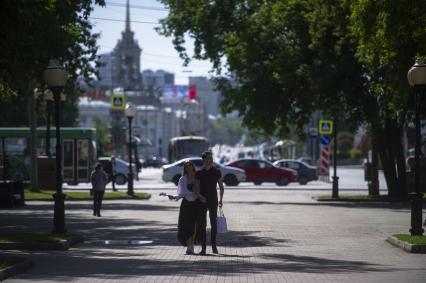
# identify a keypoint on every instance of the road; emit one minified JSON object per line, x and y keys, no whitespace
{"x":350,"y":179}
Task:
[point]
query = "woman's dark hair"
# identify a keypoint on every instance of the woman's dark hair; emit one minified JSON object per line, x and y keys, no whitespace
{"x":98,"y":166}
{"x":184,"y":171}
{"x":206,"y":153}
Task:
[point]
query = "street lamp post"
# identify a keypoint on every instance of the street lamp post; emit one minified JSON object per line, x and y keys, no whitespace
{"x":417,"y":79}
{"x":55,"y":77}
{"x":335,"y":190}
{"x":130,"y":112}
{"x":49,"y":100}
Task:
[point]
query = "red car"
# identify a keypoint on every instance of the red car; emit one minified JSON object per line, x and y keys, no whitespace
{"x":259,"y":171}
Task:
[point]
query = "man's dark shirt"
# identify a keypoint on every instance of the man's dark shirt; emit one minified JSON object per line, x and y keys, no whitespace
{"x":208,"y":180}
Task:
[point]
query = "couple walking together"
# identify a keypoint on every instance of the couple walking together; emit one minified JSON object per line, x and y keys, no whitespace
{"x":197,"y":189}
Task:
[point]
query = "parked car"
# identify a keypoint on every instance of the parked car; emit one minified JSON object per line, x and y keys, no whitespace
{"x":306,"y":172}
{"x":231,"y":176}
{"x":121,"y":168}
{"x":307,"y":159}
{"x":259,"y":171}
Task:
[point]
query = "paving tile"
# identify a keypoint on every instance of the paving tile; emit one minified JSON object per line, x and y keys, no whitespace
{"x":280,"y":238}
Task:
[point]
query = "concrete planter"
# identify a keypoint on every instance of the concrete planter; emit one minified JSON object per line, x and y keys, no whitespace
{"x":411,"y":248}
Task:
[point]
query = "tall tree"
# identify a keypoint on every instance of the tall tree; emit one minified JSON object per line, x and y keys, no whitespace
{"x":35,"y":31}
{"x":389,"y":36}
{"x":290,"y":58}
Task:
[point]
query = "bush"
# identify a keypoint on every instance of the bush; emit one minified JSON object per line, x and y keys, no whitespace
{"x":355,"y":153}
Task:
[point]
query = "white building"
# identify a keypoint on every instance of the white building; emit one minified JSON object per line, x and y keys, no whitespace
{"x":91,"y":111}
{"x":154,"y":127}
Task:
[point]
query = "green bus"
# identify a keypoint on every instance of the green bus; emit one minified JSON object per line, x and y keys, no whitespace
{"x":78,"y":152}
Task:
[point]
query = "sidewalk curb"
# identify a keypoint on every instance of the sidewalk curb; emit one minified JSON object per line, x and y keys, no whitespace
{"x":15,"y":269}
{"x":411,"y":248}
{"x":62,"y":245}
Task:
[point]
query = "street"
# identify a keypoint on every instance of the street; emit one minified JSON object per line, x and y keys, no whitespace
{"x":350,"y":178}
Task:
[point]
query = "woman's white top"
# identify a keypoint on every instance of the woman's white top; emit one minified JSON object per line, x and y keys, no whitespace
{"x":182,"y":190}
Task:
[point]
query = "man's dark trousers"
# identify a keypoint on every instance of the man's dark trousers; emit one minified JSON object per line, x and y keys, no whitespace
{"x":97,"y":201}
{"x":212,"y":208}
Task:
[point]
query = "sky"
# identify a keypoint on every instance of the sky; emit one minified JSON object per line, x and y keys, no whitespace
{"x":157,"y":51}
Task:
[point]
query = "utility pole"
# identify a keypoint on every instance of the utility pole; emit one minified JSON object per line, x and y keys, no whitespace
{"x":33,"y":138}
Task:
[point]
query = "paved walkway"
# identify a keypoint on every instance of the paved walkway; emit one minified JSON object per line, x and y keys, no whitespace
{"x":276,"y":236}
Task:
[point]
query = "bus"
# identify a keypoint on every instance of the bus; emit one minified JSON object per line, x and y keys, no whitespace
{"x":279,"y":150}
{"x":187,"y":146}
{"x":78,"y":152}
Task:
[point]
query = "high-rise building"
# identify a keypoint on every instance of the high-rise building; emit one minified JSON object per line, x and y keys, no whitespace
{"x":106,"y":70}
{"x":206,"y":94}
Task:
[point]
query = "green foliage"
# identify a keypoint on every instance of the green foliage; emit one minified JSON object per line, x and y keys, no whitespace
{"x":355,"y":153}
{"x":48,"y":195}
{"x":419,"y":240}
{"x":102,"y":136}
{"x":286,"y":59}
{"x":43,"y":30}
{"x":226,"y":131}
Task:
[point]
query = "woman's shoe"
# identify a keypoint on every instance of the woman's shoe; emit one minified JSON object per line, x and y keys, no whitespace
{"x":190,"y":250}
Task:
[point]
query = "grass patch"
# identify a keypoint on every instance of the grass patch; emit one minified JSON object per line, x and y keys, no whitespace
{"x":6,"y":262}
{"x":365,"y":198}
{"x":31,"y":238}
{"x":419,"y":240}
{"x":47,"y":195}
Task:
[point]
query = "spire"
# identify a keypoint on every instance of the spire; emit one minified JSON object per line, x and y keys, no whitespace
{"x":127,"y":17}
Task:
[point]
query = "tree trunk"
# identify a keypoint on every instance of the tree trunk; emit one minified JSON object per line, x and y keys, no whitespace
{"x":374,"y":185}
{"x":391,"y":155}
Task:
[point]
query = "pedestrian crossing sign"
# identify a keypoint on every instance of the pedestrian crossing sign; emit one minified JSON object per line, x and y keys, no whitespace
{"x":326,"y":127}
{"x":118,"y":102}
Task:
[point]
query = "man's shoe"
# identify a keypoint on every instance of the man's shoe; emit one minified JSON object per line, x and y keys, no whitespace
{"x":99,"y":215}
{"x":203,"y":252}
{"x":94,"y":213}
{"x":214,"y":249}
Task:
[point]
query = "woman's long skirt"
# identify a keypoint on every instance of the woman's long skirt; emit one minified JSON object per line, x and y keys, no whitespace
{"x":188,"y":214}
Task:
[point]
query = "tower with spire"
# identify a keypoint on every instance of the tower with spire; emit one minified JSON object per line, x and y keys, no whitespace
{"x":126,"y":71}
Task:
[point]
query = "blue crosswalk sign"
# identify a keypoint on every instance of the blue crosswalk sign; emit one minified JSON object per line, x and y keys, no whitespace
{"x":325,"y":139}
{"x":325,"y":127}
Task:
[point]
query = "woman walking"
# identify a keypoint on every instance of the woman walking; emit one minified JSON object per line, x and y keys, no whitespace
{"x":189,"y":208}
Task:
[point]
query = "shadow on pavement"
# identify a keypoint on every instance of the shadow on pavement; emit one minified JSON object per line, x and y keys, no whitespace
{"x":380,"y":205}
{"x":119,"y":265}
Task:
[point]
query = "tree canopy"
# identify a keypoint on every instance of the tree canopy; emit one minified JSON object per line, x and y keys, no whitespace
{"x":287,"y":59}
{"x":35,"y":31}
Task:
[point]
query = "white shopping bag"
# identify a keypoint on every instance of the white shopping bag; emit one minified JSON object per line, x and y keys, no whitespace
{"x":222,"y":227}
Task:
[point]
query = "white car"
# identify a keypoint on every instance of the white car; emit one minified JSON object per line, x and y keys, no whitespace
{"x":231,"y":176}
{"x":121,"y":168}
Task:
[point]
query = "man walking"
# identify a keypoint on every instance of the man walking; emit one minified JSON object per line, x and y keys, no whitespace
{"x":206,"y":180}
{"x":99,"y":180}
{"x":111,"y":171}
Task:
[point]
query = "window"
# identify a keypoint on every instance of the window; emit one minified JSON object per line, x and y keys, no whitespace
{"x":264,"y":165}
{"x":293,"y":165}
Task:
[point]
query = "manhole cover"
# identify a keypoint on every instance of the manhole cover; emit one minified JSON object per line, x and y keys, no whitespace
{"x":119,"y":242}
